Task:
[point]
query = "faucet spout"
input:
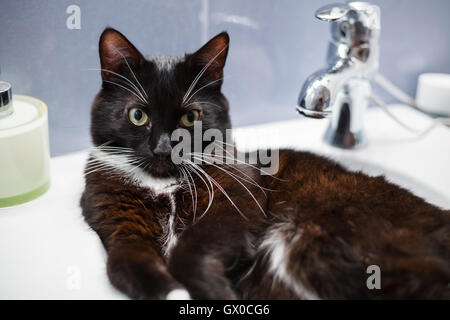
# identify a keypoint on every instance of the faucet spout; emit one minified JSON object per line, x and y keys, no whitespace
{"x":319,"y":92}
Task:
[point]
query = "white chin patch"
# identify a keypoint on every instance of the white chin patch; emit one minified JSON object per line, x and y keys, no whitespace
{"x":178,"y":294}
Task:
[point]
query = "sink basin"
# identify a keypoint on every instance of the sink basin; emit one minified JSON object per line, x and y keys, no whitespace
{"x":417,"y":163}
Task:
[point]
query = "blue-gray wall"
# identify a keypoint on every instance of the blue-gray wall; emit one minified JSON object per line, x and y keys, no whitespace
{"x":275,"y":45}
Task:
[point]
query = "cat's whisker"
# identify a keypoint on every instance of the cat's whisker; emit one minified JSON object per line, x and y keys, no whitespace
{"x":103,"y":166}
{"x":227,"y":143}
{"x":116,"y":152}
{"x":248,"y":273}
{"x":206,"y":85}
{"x":113,"y":157}
{"x":138,"y":166}
{"x":225,"y":194}
{"x":99,"y":168}
{"x":209,"y":187}
{"x":235,"y":177}
{"x":135,"y":78}
{"x":111,"y":161}
{"x":190,"y":190}
{"x":105,"y":144}
{"x":183,"y":179}
{"x":232,"y":156}
{"x":91,"y":166}
{"x":200,"y":74}
{"x":148,"y":166}
{"x":136,"y":89}
{"x":221,"y":160}
{"x":248,"y":164}
{"x":249,"y":180}
{"x":127,"y":89}
{"x":195,"y":191}
{"x":198,"y":171}
{"x":113,"y":148}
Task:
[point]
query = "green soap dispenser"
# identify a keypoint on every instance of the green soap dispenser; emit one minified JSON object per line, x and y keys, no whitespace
{"x":24,"y":148}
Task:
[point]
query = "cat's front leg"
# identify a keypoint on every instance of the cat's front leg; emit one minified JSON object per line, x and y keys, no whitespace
{"x":130,"y":234}
{"x":207,"y":253}
{"x":139,"y":272}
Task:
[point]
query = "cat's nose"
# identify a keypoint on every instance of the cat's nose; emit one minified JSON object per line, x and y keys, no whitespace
{"x":163,"y":147}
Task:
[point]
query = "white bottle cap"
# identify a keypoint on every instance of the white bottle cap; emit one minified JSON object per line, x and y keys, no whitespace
{"x":433,"y":93}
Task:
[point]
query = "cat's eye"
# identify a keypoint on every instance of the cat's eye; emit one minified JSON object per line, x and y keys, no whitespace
{"x":137,"y":116}
{"x":190,"y":117}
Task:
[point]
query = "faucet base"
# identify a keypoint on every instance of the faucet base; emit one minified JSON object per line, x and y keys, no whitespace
{"x":346,"y":129}
{"x":345,"y":140}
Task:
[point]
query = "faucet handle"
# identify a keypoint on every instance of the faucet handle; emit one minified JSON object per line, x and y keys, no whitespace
{"x":332,"y":12}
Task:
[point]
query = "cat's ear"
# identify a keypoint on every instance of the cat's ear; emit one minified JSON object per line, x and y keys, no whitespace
{"x":116,"y":52}
{"x":212,"y":56}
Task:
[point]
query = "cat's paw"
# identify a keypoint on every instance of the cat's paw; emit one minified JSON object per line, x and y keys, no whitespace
{"x":178,"y":294}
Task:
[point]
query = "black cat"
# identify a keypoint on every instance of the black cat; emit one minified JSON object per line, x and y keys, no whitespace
{"x":208,"y":231}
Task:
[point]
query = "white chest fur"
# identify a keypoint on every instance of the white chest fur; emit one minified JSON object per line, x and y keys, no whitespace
{"x":121,"y":165}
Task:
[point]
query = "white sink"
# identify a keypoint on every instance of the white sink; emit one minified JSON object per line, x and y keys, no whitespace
{"x":47,"y":251}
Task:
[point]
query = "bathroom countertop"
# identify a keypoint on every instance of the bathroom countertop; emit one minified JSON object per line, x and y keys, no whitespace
{"x":47,"y":251}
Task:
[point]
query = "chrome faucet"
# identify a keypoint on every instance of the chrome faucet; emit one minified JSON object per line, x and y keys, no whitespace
{"x":341,"y":90}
